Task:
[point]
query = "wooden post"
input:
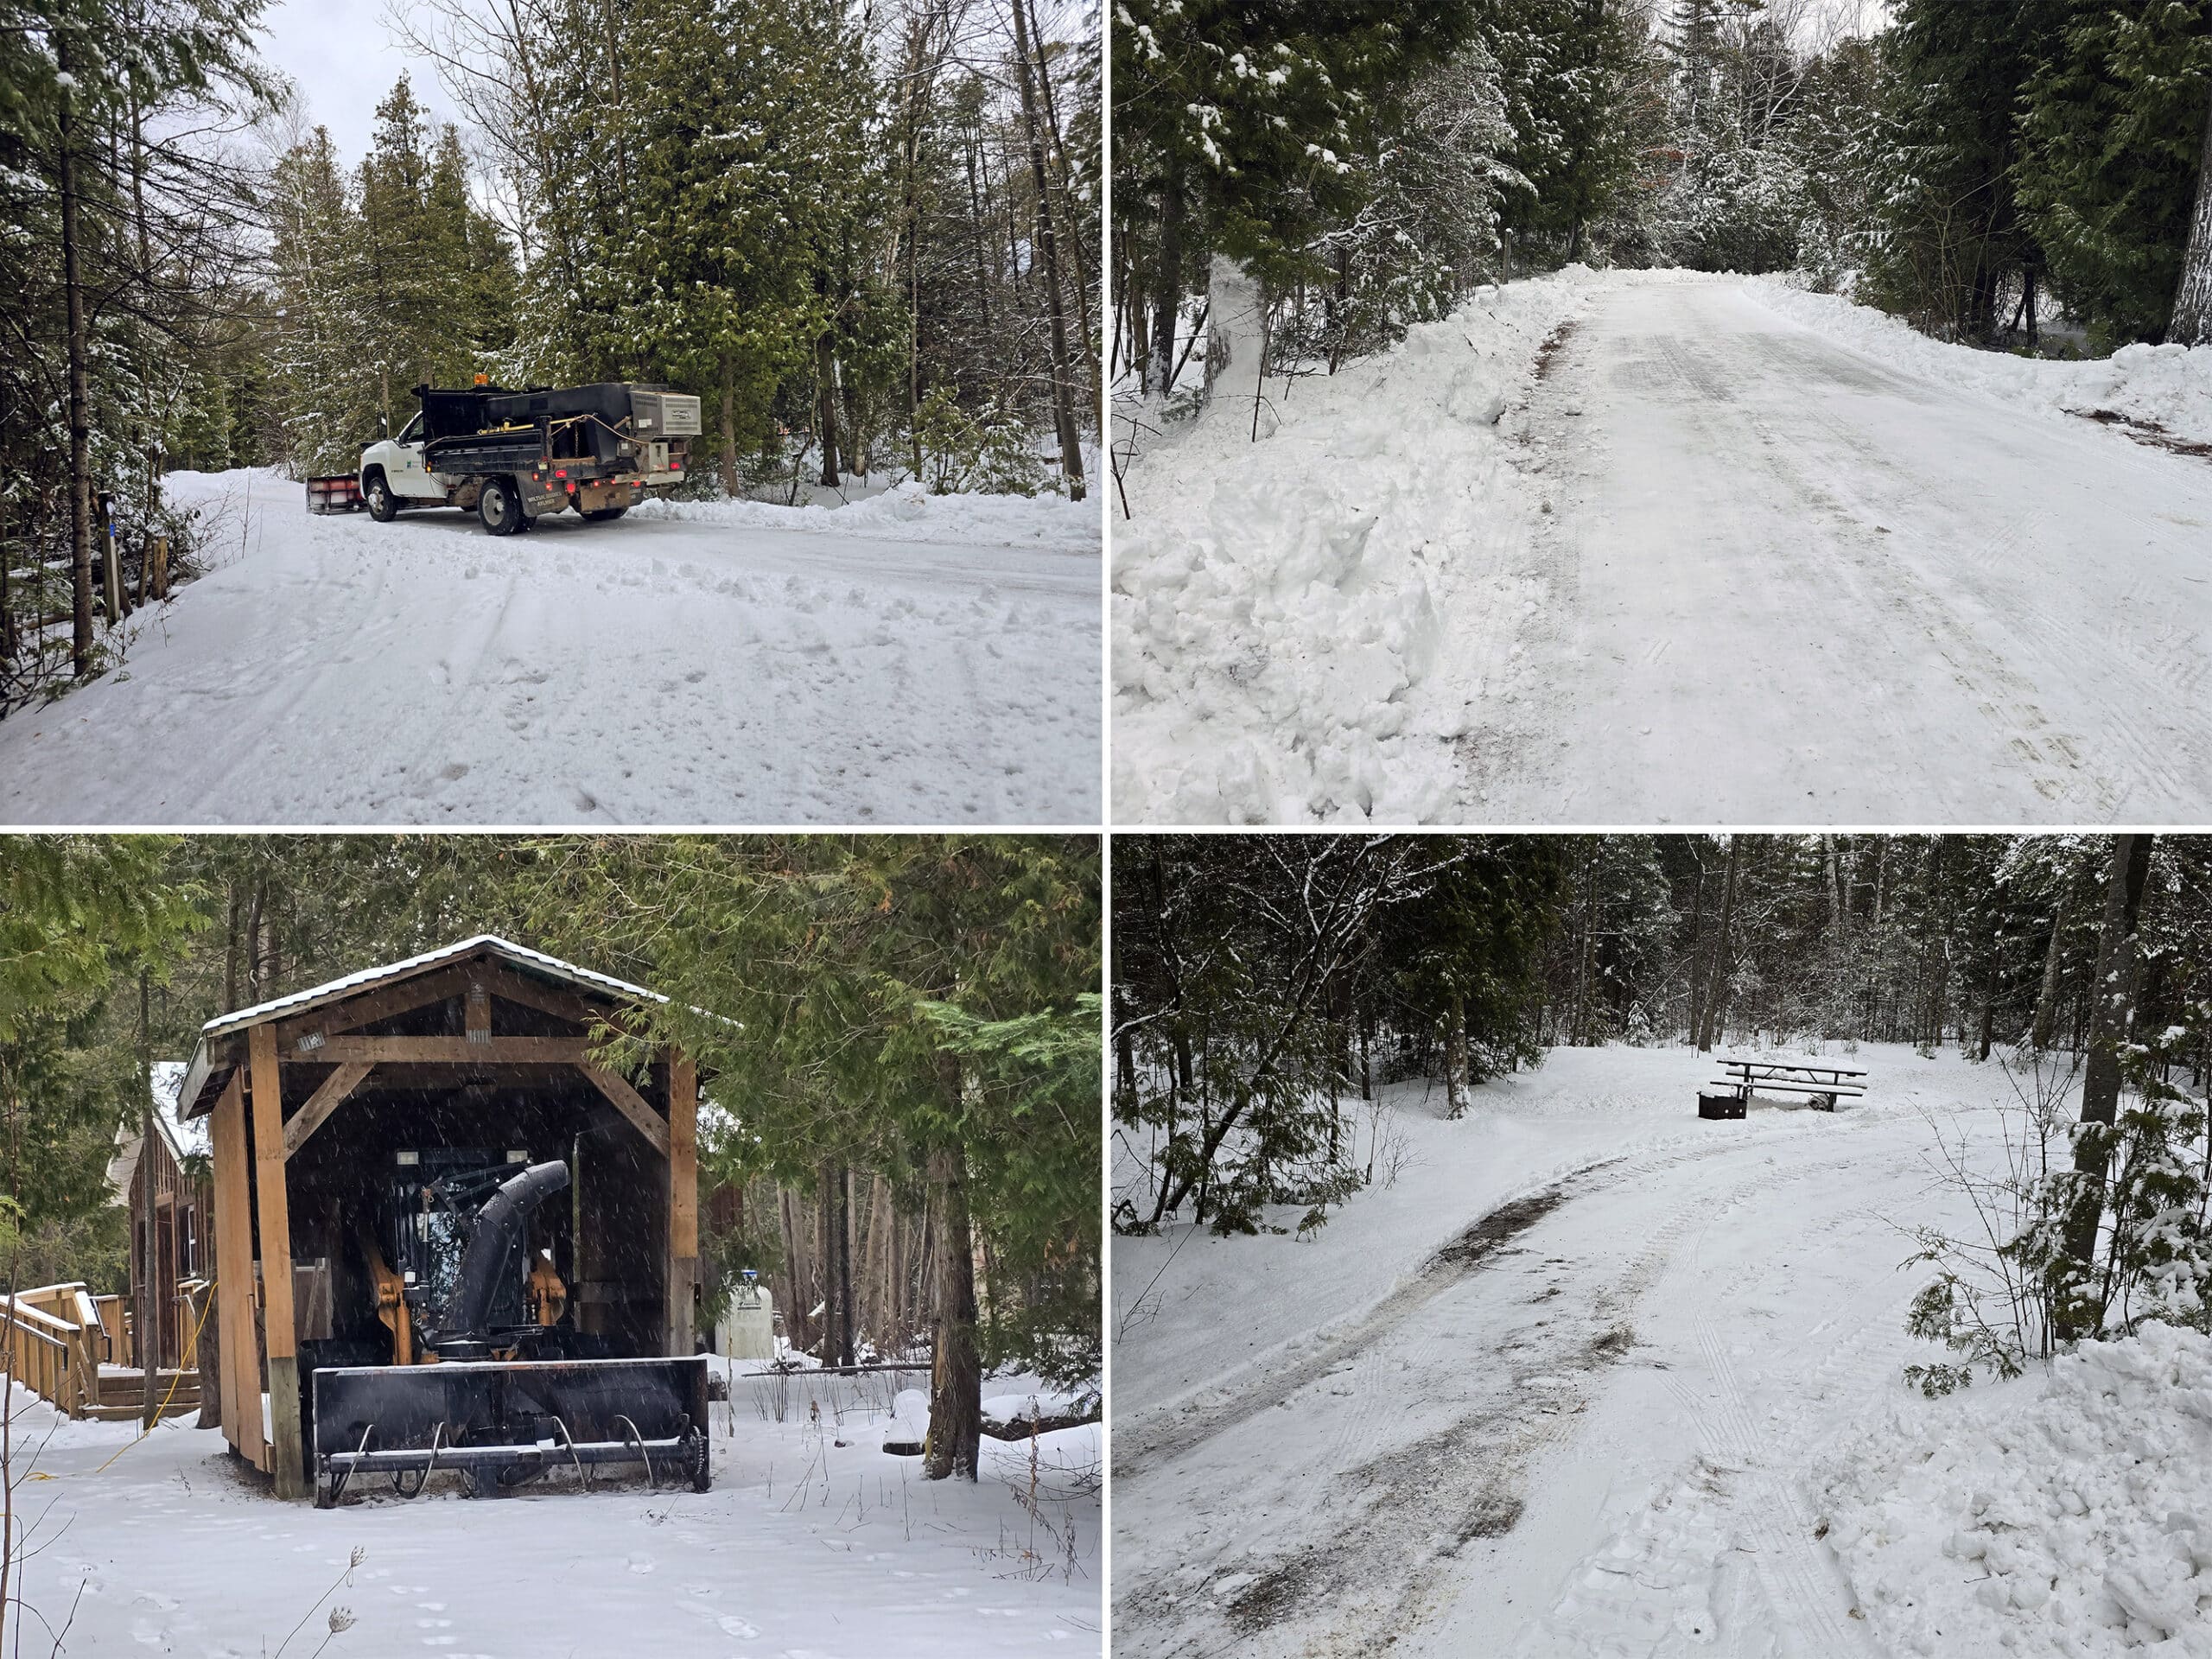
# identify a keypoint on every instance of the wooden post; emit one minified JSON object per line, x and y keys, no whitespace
{"x":286,"y":1466}
{"x":241,"y":1368}
{"x":160,"y":567}
{"x":683,"y":1200}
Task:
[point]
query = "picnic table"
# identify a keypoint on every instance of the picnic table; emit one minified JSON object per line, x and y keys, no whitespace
{"x":1825,"y":1083}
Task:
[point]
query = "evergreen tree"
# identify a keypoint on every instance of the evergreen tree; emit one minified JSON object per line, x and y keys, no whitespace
{"x":2112,"y":131}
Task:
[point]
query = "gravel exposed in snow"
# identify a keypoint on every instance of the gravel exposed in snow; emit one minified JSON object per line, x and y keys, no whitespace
{"x":2170,"y":385}
{"x":1280,"y":608}
{"x":2062,"y":1515}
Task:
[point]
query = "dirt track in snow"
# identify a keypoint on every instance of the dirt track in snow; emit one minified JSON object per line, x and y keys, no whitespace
{"x":1785,"y":583}
{"x":1589,"y":1441}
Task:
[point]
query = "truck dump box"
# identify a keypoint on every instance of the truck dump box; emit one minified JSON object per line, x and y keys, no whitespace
{"x":507,"y":1421}
{"x":581,"y":423}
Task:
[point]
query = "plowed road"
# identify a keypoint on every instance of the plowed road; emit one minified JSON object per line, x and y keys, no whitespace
{"x":1790,"y":584}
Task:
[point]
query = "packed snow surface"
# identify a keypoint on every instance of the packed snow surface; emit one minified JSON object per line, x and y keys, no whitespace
{"x":2066,"y":1515}
{"x":813,"y":1544}
{"x":904,"y":659}
{"x":1581,"y":1375}
{"x":1737,"y":554}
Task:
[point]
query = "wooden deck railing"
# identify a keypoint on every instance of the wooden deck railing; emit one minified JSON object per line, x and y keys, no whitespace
{"x":55,"y":1343}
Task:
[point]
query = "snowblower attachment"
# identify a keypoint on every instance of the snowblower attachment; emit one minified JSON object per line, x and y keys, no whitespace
{"x":504,"y":1422}
{"x":477,"y":1405}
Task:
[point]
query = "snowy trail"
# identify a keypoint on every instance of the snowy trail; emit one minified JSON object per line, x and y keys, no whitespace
{"x":1789,"y":583}
{"x":1589,"y":1441}
{"x":675,"y":668}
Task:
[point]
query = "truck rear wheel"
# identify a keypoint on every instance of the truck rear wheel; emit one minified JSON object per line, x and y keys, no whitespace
{"x":383,"y":507}
{"x":499,"y":506}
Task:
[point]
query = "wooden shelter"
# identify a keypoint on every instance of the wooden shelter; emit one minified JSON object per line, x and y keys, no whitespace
{"x":166,"y":1188}
{"x":315,"y":1098}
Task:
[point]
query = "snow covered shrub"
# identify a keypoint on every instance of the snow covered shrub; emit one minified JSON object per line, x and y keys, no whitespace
{"x":990,"y":452}
{"x":2146,"y":1177}
{"x":1990,"y":1302}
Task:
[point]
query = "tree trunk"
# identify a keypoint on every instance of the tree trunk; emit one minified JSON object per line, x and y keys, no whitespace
{"x":2191,"y":323}
{"x":825,"y":377}
{"x":2078,"y":1309}
{"x":2039,"y":1034}
{"x":957,"y":1368}
{"x":1718,"y":991}
{"x":149,"y":1315}
{"x":846,"y":1341}
{"x":1167,"y":279}
{"x":1455,"y":1060}
{"x":79,"y":352}
{"x":1062,"y":391}
{"x":730,"y":485}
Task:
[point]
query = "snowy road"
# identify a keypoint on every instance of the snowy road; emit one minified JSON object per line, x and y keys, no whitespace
{"x":1583,"y":1429}
{"x":1785,"y":583}
{"x":687,"y":665}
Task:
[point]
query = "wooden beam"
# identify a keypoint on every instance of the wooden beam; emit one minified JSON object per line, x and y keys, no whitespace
{"x":558,"y":1000}
{"x":366,"y":1007}
{"x":286,"y":1461}
{"x":683,"y":1200}
{"x":628,"y":1101}
{"x":320,"y":1104}
{"x":448,"y":1051}
{"x":237,"y":1353}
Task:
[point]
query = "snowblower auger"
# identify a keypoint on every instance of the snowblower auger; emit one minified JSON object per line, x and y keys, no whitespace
{"x":504,"y":1422}
{"x":475,"y":1405}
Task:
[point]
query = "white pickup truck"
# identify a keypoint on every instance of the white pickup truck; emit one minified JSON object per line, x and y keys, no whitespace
{"x":517,"y":457}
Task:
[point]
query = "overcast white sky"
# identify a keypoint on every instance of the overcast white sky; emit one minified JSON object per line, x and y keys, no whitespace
{"x":345,"y":61}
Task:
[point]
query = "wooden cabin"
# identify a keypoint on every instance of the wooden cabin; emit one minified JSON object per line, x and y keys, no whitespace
{"x":328,"y":1107}
{"x":169,"y":1238}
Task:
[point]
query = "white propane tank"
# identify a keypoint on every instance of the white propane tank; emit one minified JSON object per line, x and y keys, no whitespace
{"x":747,"y":1329}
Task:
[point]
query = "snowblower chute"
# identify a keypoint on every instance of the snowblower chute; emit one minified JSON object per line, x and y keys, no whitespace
{"x":500,"y":1391}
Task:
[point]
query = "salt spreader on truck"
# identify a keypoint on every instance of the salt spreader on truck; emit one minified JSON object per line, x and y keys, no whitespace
{"x":516,"y":456}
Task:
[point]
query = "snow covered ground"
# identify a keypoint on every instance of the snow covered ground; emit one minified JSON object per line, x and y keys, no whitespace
{"x":905,"y":659}
{"x":814,"y":1544}
{"x":1739,"y":553}
{"x":1594,"y":1378}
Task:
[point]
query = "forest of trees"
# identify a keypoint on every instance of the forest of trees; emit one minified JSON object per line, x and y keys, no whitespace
{"x":1968,"y":166}
{"x":867,"y":236}
{"x":1262,"y":983}
{"x":902,"y":1044}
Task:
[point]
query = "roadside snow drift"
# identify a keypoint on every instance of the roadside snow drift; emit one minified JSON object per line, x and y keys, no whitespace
{"x":2168,"y":385}
{"x":903,"y":659}
{"x":1281,"y":608}
{"x":2067,"y":1514}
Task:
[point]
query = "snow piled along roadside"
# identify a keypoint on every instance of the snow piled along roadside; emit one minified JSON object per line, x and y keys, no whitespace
{"x":907,"y":513}
{"x":1279,"y":608}
{"x":2060,"y":1516}
{"x":2166,"y":387}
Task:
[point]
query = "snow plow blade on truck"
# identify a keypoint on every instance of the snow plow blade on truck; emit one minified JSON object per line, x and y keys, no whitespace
{"x":517,"y":457}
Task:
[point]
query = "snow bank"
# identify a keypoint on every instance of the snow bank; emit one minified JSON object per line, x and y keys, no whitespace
{"x":2169,"y":385}
{"x":2064,"y":1514}
{"x":907,"y":513}
{"x":1279,"y":606}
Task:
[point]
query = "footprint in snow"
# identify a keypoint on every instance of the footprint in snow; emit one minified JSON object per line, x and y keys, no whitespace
{"x":731,"y":1624}
{"x":156,"y":1600}
{"x":642,"y":1564}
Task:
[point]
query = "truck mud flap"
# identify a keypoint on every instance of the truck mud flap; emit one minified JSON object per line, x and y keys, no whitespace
{"x":541,"y":495}
{"x":505,"y":1422}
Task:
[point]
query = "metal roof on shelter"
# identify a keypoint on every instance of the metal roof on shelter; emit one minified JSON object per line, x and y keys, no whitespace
{"x":337,"y":990}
